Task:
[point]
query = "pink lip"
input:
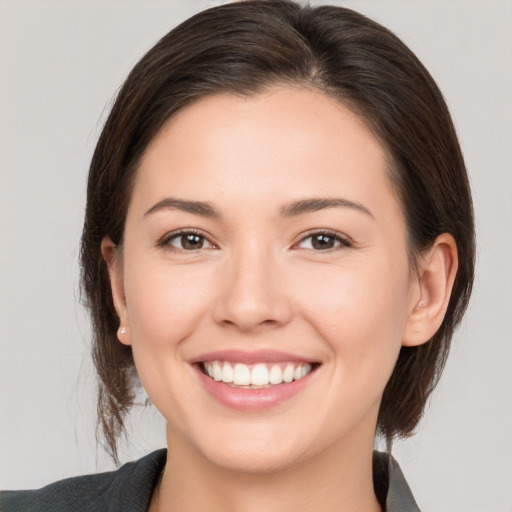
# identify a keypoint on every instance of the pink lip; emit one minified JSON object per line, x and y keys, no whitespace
{"x":250,"y":399}
{"x":245,"y":357}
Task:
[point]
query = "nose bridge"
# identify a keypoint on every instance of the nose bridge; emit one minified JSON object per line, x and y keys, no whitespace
{"x":252,"y":293}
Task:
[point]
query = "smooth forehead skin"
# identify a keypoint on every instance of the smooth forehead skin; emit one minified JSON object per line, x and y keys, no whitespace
{"x":284,"y":145}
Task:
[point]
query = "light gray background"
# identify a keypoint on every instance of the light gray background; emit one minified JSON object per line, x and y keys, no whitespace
{"x":60,"y":63}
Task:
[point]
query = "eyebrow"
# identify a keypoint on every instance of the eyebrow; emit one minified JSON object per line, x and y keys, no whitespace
{"x":196,"y":207}
{"x":316,"y":204}
{"x":294,"y":209}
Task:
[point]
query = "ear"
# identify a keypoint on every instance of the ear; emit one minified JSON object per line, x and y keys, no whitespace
{"x":431,"y":292}
{"x":113,"y":259}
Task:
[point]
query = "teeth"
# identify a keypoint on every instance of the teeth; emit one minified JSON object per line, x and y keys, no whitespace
{"x":242,"y":375}
{"x":304,"y":370}
{"x":259,"y":375}
{"x":217,"y":371}
{"x":256,"y":375}
{"x":227,"y":373}
{"x":288,"y":373}
{"x":276,"y":375}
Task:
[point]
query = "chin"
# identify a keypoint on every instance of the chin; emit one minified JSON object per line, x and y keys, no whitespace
{"x":260,"y":461}
{"x":263,"y":453}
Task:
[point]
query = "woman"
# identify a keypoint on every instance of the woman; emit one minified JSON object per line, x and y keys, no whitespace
{"x":279,"y":244}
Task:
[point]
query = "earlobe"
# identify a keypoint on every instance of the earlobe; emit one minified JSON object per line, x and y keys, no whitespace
{"x":112,"y":258}
{"x":436,"y":274}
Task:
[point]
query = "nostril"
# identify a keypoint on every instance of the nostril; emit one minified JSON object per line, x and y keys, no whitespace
{"x":246,"y":323}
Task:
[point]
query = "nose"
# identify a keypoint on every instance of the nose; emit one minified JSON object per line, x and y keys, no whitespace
{"x":252,"y":294}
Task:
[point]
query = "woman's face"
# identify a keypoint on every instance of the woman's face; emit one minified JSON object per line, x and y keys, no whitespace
{"x":264,"y":245}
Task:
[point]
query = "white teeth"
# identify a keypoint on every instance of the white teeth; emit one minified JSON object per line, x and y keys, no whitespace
{"x":241,"y":375}
{"x":227,"y":373}
{"x":276,"y":375}
{"x":288,"y":373}
{"x":305,"y":369}
{"x":217,"y":371}
{"x":260,"y":374}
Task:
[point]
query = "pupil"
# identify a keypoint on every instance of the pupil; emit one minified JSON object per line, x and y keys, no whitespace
{"x":192,"y":241}
{"x":323,"y":242}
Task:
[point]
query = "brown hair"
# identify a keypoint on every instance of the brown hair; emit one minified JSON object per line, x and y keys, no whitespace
{"x":242,"y":48}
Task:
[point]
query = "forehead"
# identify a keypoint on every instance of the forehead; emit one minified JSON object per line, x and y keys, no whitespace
{"x":284,"y":142}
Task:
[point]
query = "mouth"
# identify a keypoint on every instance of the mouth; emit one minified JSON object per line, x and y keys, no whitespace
{"x":260,"y":375}
{"x":256,"y":380}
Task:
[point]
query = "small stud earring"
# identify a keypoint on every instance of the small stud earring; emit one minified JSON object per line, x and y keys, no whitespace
{"x":122,"y":330}
{"x":420,"y":305}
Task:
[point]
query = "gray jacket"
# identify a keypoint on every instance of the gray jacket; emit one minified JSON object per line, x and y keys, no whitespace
{"x":129,"y":489}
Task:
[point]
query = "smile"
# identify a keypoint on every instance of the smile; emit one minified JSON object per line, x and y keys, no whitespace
{"x":254,"y":381}
{"x":255,"y":376}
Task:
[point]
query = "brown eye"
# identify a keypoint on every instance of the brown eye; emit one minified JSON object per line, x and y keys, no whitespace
{"x":323,"y":242}
{"x":191,"y":242}
{"x":188,"y":241}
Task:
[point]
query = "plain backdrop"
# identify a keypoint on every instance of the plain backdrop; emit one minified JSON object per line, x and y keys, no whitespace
{"x":61,"y":62}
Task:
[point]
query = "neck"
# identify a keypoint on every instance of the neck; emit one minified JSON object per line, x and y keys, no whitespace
{"x":340,"y":479}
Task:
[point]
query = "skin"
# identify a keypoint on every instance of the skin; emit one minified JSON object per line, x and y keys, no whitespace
{"x":259,"y":283}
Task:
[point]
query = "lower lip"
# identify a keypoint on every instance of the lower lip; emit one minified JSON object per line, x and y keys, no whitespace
{"x":251,"y":399}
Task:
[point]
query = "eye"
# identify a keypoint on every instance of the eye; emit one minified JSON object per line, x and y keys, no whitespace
{"x":186,"y":241}
{"x":323,"y":241}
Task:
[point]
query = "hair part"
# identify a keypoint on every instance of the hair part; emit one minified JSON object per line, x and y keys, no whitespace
{"x":243,"y":48}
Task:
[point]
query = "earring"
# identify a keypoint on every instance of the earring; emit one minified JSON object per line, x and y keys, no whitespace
{"x":419,"y":305}
{"x":122,"y":330}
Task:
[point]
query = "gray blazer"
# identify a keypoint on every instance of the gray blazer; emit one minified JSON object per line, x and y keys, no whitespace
{"x":129,"y":489}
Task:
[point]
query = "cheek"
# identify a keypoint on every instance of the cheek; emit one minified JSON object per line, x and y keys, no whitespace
{"x":165,"y":305}
{"x":360,"y":312}
{"x":164,"y":302}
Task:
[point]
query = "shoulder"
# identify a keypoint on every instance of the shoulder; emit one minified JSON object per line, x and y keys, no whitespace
{"x":128,"y":488}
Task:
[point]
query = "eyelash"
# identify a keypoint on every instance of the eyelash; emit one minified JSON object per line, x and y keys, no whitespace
{"x":165,"y":240}
{"x":341,"y":240}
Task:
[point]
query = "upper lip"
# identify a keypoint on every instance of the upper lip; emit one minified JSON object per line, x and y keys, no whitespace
{"x":250,"y":357}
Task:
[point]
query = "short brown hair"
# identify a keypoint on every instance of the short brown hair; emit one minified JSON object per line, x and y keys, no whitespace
{"x":242,"y":48}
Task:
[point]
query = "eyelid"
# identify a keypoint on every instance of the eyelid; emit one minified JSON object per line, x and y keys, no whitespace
{"x":165,"y":239}
{"x":344,"y":240}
